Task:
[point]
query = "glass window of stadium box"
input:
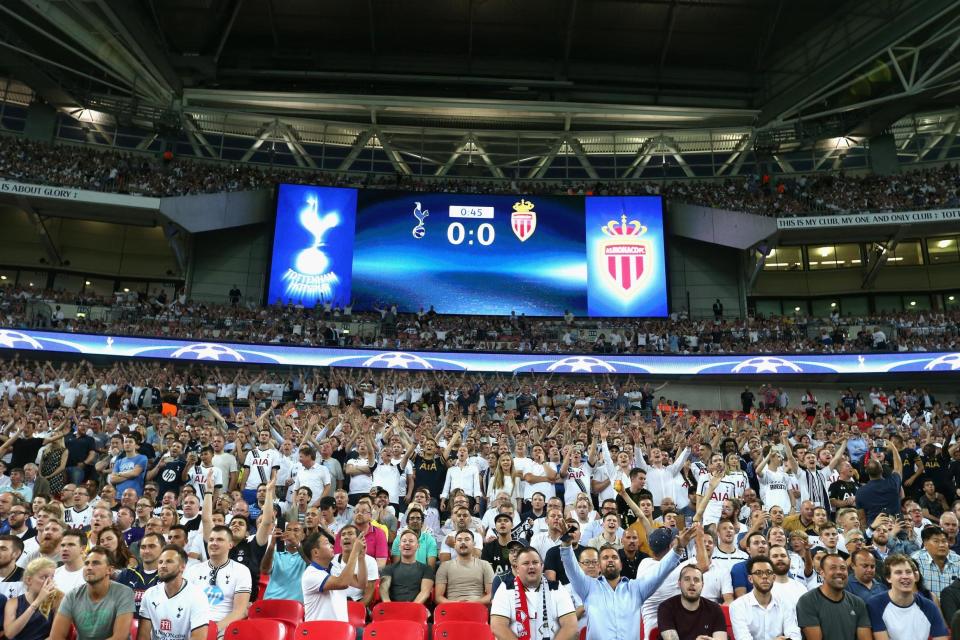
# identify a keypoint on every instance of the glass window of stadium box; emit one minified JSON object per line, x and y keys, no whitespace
{"x":796,"y":307}
{"x":942,"y":250}
{"x":98,"y":287}
{"x":824,"y":307}
{"x":840,"y":256}
{"x":784,"y":259}
{"x":767,"y":308}
{"x":32,"y":279}
{"x":8,"y":277}
{"x":951,"y":301}
{"x":916,"y":303}
{"x":68,"y":282}
{"x":887,"y":303}
{"x":906,"y":253}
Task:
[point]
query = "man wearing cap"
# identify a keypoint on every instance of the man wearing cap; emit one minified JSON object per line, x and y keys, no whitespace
{"x":552,"y":566}
{"x":613,"y":602}
{"x":496,"y":551}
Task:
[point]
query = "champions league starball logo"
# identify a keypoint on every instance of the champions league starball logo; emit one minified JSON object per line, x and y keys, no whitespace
{"x":310,"y":278}
{"x":948,"y":362}
{"x":207,"y":351}
{"x":16,"y":340}
{"x":581,"y":364}
{"x":766,"y":364}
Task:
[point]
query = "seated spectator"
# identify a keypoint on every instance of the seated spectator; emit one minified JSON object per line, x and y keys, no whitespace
{"x":464,"y":578}
{"x":408,"y":579}
{"x":544,"y":607}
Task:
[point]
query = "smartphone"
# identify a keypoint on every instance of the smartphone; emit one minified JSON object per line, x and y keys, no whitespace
{"x":568,"y":536}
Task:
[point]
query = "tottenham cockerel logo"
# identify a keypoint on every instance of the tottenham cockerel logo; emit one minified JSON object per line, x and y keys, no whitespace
{"x":625,"y":253}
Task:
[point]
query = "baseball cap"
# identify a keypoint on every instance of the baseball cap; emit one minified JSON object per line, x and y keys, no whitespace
{"x":502,"y":516}
{"x":516,"y":544}
{"x":660,"y":540}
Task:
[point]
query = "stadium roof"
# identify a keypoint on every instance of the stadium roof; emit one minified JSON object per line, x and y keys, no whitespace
{"x":649,"y":75}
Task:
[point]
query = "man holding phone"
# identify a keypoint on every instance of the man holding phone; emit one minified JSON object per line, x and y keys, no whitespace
{"x":879,"y":494}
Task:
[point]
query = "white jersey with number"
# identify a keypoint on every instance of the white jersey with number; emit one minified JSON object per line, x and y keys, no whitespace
{"x":220,"y":585}
{"x":175,"y":617}
{"x":261,"y":464}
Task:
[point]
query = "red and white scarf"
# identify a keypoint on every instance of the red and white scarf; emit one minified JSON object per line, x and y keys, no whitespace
{"x":522,"y":607}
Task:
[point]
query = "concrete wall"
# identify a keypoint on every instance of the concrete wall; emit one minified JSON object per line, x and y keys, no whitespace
{"x":227,"y":257}
{"x":211,"y":211}
{"x":727,"y":228}
{"x":705,"y":272}
{"x":89,"y":246}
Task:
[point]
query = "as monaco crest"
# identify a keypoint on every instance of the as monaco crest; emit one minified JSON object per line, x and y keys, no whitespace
{"x":523,"y":220}
{"x":624,"y":252}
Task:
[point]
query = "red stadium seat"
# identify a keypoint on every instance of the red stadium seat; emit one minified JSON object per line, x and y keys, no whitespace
{"x":459,"y":630}
{"x":357,"y":613}
{"x":461,"y":612}
{"x":290,"y":610}
{"x":411,"y":611}
{"x":326,"y":630}
{"x":257,"y":629}
{"x":395,"y":630}
{"x":726,"y":616}
{"x":654,"y":634}
{"x":583,"y":634}
{"x":212,"y":631}
{"x":134,"y":628}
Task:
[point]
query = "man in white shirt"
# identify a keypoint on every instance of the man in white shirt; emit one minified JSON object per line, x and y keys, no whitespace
{"x":177,"y":609}
{"x":759,"y":614}
{"x":324,"y":594}
{"x":226,"y":583}
{"x":543,"y":612}
{"x":309,"y":473}
{"x":260,"y":466}
{"x":69,"y":575}
{"x":784,"y":586}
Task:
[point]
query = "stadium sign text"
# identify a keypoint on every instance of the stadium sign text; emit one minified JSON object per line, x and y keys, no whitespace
{"x":869,"y":219}
{"x":76,"y":195}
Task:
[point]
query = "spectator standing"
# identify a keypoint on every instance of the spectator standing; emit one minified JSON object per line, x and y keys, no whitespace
{"x":612,"y":602}
{"x":174,"y":608}
{"x":324,"y":594}
{"x":759,"y":614}
{"x":879,"y":494}
{"x":100,"y":608}
{"x":225,"y":582}
{"x":284,"y":564}
{"x":829,"y":612}
{"x":129,"y":471}
{"x":82,"y":452}
{"x":531,"y":607}
{"x":688,"y":615}
{"x":901,"y":613}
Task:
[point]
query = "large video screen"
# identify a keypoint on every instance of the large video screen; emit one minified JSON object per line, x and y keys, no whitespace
{"x":469,"y":253}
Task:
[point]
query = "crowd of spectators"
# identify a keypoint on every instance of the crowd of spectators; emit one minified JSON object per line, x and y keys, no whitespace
{"x":322,"y":484}
{"x":178,"y":317}
{"x":138,"y":174}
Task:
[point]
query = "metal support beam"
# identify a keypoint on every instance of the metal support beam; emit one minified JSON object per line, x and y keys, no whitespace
{"x":225,"y":31}
{"x":457,"y":152}
{"x":540,"y":169}
{"x":949,"y":132}
{"x":144,"y":144}
{"x":568,"y":39}
{"x":296,"y":146}
{"x":494,"y":169}
{"x":399,"y":164}
{"x":760,"y":253}
{"x":668,"y":35}
{"x":577,"y":149}
{"x":262,"y":137}
{"x":196,"y":136}
{"x":881,"y":254}
{"x":362,"y":139}
{"x":53,"y":254}
{"x":736,"y":158}
{"x":636,"y":166}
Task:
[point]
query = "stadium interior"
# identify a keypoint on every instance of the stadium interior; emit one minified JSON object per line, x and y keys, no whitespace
{"x":682,"y":222}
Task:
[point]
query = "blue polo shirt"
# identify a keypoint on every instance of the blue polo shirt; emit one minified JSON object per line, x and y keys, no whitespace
{"x":285,"y":577}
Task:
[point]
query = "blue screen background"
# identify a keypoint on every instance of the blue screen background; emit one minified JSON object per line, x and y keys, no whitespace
{"x":544,"y":275}
{"x":606,"y":296}
{"x":302,"y":270}
{"x":341,"y":244}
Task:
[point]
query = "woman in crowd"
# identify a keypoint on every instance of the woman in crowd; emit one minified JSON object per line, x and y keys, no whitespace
{"x":30,"y":615}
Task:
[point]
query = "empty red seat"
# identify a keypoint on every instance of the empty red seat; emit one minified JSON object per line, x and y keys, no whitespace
{"x":290,"y":610}
{"x":257,"y":629}
{"x":461,"y":612}
{"x":134,"y":628}
{"x":357,"y":613}
{"x":326,"y":630}
{"x":411,"y":611}
{"x":395,"y":630}
{"x":460,"y":630}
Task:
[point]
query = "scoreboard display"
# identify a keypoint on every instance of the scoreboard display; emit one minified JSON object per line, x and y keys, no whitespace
{"x":469,"y":253}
